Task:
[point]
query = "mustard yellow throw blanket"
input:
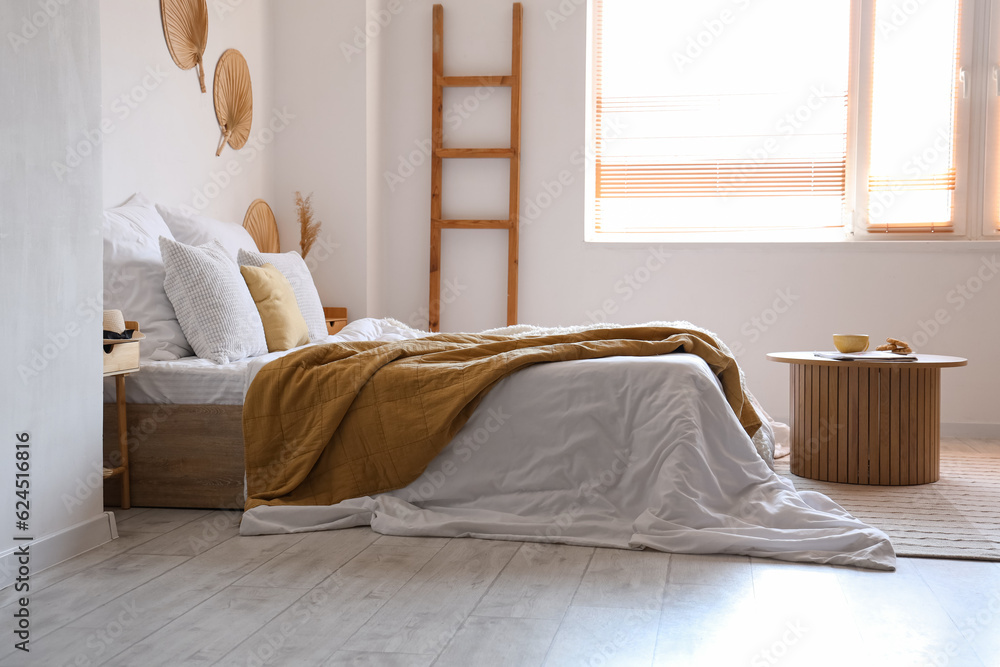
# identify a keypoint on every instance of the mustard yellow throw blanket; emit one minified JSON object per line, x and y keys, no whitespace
{"x":344,"y":420}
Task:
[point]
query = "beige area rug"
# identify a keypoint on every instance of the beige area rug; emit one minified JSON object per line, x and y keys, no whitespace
{"x":956,"y":517}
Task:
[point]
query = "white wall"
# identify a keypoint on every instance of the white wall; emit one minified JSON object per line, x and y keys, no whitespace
{"x":308,"y":135}
{"x":50,"y":266}
{"x":884,"y":289}
{"x":324,"y":150}
{"x":361,"y":112}
{"x":159,"y":130}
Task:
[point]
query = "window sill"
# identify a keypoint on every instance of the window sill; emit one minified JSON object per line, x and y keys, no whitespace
{"x":712,"y":238}
{"x":800,"y":239}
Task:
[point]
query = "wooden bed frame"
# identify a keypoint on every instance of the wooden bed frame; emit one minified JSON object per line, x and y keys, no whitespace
{"x":179,"y":455}
{"x":186,"y":455}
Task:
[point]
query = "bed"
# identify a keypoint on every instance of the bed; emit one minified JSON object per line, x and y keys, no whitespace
{"x":185,"y":427}
{"x":612,"y":451}
{"x":184,"y":414}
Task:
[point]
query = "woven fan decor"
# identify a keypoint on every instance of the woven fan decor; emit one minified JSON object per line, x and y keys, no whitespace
{"x":260,"y":223}
{"x":233,"y":100}
{"x":185,"y":27}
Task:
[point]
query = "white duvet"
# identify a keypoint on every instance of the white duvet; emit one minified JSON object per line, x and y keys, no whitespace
{"x":619,"y":452}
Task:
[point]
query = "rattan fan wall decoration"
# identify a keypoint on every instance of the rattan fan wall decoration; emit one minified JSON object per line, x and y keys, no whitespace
{"x":263,"y":228}
{"x":185,"y":27}
{"x":233,"y":100}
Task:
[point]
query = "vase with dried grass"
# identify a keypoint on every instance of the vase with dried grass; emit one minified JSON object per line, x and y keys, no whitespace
{"x":309,"y":228}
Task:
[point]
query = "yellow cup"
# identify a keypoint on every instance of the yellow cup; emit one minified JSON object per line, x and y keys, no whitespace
{"x":850,"y":343}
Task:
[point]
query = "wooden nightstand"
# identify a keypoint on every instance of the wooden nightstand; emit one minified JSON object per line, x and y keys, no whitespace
{"x":122,"y":360}
{"x":336,"y":319}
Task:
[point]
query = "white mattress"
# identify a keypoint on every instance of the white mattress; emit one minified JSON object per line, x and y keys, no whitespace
{"x":196,"y":381}
{"x":187,"y":381}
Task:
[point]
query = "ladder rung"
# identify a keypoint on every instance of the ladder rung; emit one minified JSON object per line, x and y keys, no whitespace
{"x":470,"y":224}
{"x":474,"y":152}
{"x":475,"y":81}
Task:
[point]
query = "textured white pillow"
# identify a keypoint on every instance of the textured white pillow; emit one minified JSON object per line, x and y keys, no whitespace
{"x":213,"y":304}
{"x":133,"y":277}
{"x":294,"y":268}
{"x":194,"y":229}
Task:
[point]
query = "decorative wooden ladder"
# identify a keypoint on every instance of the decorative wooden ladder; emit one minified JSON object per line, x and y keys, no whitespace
{"x":441,"y":153}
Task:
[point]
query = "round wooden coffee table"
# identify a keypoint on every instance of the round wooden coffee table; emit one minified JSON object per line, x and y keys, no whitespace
{"x":866,"y":422}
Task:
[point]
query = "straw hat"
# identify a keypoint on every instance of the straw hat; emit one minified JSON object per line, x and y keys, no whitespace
{"x":114,"y":321}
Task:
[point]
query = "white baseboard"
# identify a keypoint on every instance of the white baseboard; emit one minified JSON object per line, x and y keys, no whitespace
{"x":62,"y":545}
{"x":971,"y":430}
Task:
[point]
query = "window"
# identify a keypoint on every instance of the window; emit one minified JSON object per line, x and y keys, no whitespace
{"x":782,"y":119}
{"x":917,"y":81}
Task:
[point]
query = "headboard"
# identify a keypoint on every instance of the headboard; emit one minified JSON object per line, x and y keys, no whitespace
{"x":260,"y":223}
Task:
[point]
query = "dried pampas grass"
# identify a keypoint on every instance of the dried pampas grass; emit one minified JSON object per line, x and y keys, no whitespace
{"x":309,"y":228}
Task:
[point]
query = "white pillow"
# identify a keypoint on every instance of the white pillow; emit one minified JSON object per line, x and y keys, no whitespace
{"x":294,"y":268}
{"x":141,"y":211}
{"x":133,"y":278}
{"x":213,"y":303}
{"x":194,"y":229}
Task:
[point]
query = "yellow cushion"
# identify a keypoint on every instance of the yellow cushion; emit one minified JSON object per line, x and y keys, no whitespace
{"x":284,"y":326}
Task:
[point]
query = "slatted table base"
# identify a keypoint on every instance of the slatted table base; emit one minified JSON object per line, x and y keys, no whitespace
{"x":866,"y":425}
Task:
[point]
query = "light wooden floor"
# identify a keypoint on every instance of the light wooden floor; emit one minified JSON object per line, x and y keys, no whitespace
{"x":181,"y":587}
